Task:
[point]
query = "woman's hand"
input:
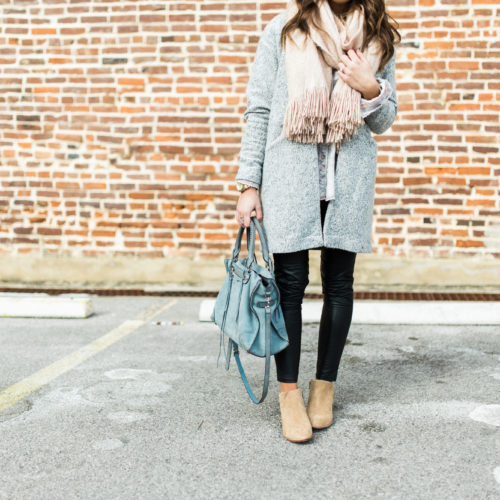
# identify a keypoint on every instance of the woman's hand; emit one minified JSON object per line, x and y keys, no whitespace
{"x":247,"y":202}
{"x":357,"y":72}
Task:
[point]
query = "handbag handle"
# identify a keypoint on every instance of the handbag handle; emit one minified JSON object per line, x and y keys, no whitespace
{"x":254,"y":223}
{"x":237,"y":243}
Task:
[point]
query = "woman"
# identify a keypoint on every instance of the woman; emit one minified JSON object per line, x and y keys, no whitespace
{"x":322,"y":80}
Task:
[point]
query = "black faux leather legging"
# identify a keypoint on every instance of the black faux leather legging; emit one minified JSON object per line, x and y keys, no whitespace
{"x":292,"y":276}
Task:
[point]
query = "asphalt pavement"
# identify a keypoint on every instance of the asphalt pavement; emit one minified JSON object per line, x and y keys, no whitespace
{"x":127,"y":408}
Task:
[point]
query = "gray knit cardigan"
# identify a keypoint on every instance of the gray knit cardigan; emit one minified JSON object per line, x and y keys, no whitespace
{"x":286,"y":172}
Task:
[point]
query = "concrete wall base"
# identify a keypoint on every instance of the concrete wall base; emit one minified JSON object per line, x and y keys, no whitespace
{"x":372,"y":272}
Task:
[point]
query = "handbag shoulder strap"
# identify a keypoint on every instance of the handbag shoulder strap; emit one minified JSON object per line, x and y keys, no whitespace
{"x":268,"y":359}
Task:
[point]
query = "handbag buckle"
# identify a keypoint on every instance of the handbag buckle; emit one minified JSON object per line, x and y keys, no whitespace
{"x":245,"y":278}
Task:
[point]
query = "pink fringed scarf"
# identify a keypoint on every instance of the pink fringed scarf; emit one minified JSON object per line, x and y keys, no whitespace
{"x":312,"y":111}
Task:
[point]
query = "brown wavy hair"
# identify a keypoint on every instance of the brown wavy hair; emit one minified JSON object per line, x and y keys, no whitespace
{"x":378,"y":23}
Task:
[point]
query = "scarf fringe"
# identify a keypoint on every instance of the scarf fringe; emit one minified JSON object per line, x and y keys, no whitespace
{"x":316,"y":113}
{"x":344,"y":117}
{"x":305,"y":116}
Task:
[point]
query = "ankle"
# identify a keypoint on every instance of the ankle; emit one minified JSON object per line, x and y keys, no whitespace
{"x":288,"y":386}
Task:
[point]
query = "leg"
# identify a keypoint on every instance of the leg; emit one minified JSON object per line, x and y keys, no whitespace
{"x":337,"y":275}
{"x":292,"y":276}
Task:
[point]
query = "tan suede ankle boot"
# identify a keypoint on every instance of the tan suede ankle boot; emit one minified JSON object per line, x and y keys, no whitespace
{"x":294,"y":420}
{"x":320,"y":403}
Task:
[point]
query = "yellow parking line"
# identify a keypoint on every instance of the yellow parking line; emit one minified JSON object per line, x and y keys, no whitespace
{"x":30,"y":384}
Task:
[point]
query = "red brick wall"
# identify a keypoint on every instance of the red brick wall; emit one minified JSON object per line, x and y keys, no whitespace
{"x":121,"y":121}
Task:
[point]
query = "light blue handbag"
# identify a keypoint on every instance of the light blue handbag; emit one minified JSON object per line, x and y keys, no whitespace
{"x":247,"y":308}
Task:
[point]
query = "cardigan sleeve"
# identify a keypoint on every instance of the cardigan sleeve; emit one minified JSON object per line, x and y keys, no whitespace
{"x":259,"y":95}
{"x":368,"y":106}
{"x":381,"y":119}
